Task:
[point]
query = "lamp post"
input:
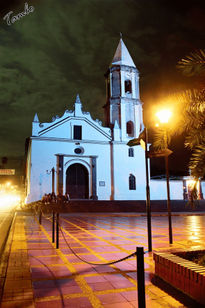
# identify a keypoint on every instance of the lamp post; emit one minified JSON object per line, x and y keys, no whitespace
{"x":168,"y":197}
{"x":143,"y":141}
{"x":164,"y":116}
{"x":53,"y":178}
{"x":148,"y":210}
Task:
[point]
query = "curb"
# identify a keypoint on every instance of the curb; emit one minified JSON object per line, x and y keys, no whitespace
{"x":4,"y":255}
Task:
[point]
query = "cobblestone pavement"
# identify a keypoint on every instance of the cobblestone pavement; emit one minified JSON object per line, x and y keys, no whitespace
{"x":38,"y":275}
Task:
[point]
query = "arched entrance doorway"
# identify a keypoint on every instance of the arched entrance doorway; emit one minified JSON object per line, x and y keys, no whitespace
{"x":77,"y":182}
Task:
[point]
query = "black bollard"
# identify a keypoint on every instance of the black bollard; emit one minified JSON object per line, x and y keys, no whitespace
{"x":140,"y":277}
{"x":53,"y":228}
{"x":57,"y":230}
{"x":40,"y":217}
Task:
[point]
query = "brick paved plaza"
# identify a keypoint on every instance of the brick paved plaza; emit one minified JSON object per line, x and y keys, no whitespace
{"x":39,"y":275}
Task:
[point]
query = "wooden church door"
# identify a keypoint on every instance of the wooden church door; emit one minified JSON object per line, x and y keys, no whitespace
{"x":77,"y":182}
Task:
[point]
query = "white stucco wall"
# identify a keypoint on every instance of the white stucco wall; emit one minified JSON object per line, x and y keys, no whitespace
{"x":124,"y":166}
{"x":50,"y":139}
{"x":203,"y":188}
{"x":158,"y":190}
{"x":44,"y":158}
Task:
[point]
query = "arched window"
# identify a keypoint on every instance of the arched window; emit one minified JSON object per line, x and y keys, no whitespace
{"x":128,"y":86}
{"x":130,"y":128}
{"x":132,"y":182}
{"x":131,"y":152}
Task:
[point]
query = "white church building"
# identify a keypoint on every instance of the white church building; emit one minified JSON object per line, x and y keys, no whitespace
{"x":90,"y":161}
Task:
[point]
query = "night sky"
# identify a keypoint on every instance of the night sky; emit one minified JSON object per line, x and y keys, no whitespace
{"x":64,"y":47}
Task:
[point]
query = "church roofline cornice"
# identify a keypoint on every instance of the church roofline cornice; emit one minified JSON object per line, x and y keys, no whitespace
{"x":54,"y":139}
{"x":123,"y":67}
{"x":79,"y":156}
{"x":97,"y":124}
{"x":119,"y":68}
{"x":119,"y":99}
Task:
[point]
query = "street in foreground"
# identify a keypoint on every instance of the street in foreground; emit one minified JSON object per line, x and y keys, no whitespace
{"x":39,"y":275}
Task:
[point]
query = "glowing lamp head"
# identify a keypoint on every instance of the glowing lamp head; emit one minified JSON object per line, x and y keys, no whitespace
{"x":164,"y":115}
{"x":8,"y":184}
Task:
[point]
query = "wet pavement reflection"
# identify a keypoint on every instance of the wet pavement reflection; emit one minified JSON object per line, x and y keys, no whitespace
{"x":49,"y":277}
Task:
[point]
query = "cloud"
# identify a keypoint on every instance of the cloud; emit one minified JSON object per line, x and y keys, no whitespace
{"x":65,"y":47}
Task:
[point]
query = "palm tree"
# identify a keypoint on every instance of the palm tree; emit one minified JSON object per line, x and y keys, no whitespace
{"x":194,"y":113}
{"x":190,"y":106}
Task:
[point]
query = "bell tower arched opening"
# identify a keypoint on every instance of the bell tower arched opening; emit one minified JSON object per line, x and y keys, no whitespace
{"x":130,"y":128}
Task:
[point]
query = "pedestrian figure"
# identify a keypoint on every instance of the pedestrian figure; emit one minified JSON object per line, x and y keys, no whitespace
{"x":67,"y":197}
{"x":59,"y":198}
{"x":45,"y":199}
{"x":49,"y":199}
{"x":53,"y":198}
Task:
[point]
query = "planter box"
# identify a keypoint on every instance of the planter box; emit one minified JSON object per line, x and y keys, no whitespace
{"x":182,"y":274}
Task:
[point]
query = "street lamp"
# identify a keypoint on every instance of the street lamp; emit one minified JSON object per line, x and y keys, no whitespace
{"x":164,"y":116}
{"x":53,"y":178}
{"x":148,"y":209}
{"x":143,"y":141}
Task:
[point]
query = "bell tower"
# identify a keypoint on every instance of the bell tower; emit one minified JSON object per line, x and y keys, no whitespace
{"x":123,"y":109}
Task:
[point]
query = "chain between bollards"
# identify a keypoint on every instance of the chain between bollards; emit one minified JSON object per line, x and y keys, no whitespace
{"x":140,"y":277}
{"x":139,"y":258}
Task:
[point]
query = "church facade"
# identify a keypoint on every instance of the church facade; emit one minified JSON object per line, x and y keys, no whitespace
{"x":88,"y":160}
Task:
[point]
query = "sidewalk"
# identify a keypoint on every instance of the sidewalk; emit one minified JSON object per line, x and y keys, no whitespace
{"x":38,"y":275}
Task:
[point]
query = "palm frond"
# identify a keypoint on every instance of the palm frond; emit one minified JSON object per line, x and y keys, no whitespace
{"x":184,"y":106}
{"x":193,"y":64}
{"x":194,"y":138}
{"x":159,"y":143}
{"x":197,"y":162}
{"x":162,"y":139}
{"x":191,"y":107}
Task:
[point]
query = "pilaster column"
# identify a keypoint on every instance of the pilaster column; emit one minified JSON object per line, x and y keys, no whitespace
{"x":94,"y":179}
{"x":123,"y":121}
{"x":112,"y":197}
